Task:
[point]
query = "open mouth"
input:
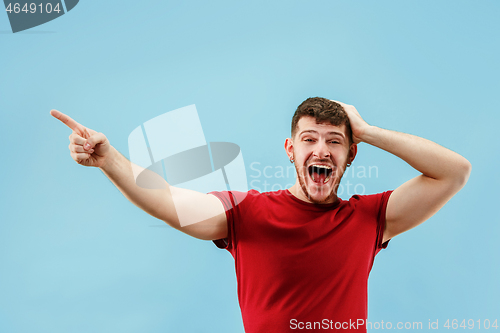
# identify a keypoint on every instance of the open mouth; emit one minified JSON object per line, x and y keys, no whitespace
{"x":320,"y":173}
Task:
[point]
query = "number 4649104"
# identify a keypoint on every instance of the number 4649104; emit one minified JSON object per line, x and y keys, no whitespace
{"x":33,"y":8}
{"x":487,"y":324}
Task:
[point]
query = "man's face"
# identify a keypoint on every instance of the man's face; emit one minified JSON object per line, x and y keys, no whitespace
{"x":321,"y":153}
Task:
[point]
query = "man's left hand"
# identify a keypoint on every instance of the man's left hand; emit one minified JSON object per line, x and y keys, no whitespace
{"x":358,"y":125}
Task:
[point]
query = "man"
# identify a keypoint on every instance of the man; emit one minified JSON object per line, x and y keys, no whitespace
{"x":302,"y":255}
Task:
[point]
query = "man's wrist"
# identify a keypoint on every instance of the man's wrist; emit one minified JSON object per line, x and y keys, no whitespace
{"x":107,"y":165}
{"x":368,"y":133}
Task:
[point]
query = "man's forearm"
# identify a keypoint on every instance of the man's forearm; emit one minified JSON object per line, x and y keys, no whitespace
{"x":431,"y":159}
{"x":202,"y":215}
{"x":120,"y":171}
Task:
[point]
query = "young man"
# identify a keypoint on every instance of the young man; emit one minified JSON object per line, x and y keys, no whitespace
{"x":302,"y":255}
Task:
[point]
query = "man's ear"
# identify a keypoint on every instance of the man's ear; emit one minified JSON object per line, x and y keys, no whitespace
{"x":353,"y":150}
{"x":289,"y":148}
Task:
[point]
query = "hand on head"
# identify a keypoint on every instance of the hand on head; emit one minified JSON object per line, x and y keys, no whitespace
{"x":358,"y":125}
{"x":87,"y":147}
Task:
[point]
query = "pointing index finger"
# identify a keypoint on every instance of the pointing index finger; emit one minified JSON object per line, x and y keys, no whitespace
{"x":67,"y":120}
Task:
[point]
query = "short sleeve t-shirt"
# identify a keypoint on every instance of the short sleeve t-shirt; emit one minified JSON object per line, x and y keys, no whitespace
{"x":301,"y":265}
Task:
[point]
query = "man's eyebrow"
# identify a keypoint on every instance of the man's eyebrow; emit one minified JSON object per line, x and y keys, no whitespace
{"x":309,"y":131}
{"x":337,"y":133}
{"x":329,"y":133}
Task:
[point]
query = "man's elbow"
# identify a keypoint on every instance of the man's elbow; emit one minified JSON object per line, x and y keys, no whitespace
{"x":463,"y":169}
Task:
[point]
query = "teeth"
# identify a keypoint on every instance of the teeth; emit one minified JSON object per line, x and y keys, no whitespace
{"x":321,"y":166}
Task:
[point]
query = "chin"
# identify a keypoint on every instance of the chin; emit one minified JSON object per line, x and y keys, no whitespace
{"x":323,"y":198}
{"x":320,"y":194}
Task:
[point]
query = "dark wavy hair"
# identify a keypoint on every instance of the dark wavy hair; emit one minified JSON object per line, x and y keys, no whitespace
{"x":324,"y":111}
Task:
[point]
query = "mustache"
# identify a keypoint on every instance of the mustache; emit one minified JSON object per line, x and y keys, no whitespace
{"x":322,"y":161}
{"x":305,"y":168}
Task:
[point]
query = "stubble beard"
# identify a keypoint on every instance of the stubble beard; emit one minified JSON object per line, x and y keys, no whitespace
{"x":332,"y":196}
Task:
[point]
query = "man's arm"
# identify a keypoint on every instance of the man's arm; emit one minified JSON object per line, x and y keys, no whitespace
{"x":444,"y":173}
{"x":202,"y":215}
{"x":165,"y":202}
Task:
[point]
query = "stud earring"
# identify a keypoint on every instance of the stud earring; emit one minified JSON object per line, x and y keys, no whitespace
{"x":291,"y":159}
{"x":348,"y":164}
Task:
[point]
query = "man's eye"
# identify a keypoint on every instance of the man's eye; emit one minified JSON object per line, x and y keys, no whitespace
{"x":310,"y":140}
{"x":334,"y":142}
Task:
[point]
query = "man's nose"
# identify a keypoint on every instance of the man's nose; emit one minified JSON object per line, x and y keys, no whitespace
{"x":321,"y":150}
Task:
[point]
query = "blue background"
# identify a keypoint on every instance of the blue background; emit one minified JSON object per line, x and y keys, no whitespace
{"x":76,"y":256}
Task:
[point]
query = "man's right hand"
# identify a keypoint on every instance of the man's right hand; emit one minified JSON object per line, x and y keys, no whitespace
{"x":87,"y":147}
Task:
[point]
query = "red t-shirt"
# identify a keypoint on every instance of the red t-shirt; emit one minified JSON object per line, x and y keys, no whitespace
{"x":302,"y":266}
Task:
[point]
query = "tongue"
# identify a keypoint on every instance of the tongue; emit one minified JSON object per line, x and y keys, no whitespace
{"x":319,"y":177}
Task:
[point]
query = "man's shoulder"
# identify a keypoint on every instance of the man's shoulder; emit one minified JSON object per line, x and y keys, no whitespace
{"x":357,"y":197}
{"x":257,"y":194}
{"x":234,"y":198}
{"x":366,"y":200}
